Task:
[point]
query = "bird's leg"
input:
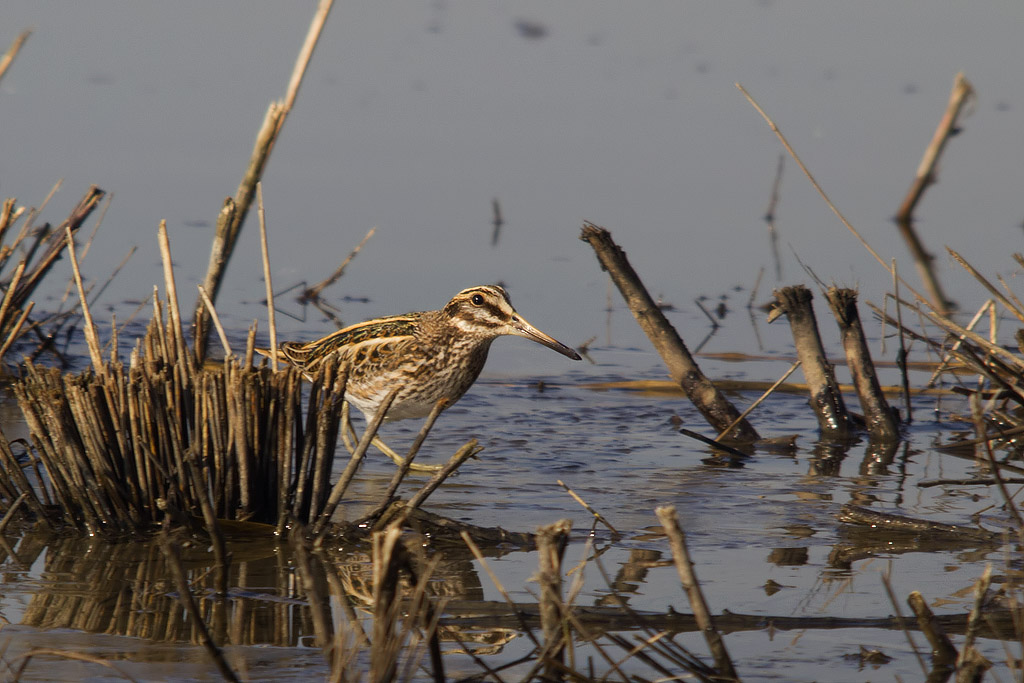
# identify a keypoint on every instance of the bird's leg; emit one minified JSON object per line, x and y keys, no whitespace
{"x":399,"y":460}
{"x":348,"y":436}
{"x":348,"y":432}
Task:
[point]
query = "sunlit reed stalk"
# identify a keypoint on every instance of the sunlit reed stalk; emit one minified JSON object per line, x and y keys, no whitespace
{"x":216,"y":322}
{"x":235,"y":211}
{"x":8,"y":57}
{"x":268,"y":281}
{"x":91,"y":337}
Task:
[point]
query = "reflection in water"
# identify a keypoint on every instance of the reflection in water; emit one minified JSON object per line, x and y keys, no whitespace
{"x":124,"y":589}
{"x":788,"y":557}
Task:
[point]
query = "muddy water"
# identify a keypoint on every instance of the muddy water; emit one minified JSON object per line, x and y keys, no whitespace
{"x":763,"y":534}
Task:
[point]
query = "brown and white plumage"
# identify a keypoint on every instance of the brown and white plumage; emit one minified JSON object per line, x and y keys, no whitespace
{"x":429,"y":355}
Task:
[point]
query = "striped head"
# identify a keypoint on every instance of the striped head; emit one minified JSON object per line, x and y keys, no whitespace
{"x":486,"y":312}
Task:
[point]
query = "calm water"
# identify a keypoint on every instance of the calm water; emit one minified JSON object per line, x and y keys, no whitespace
{"x":413,"y":118}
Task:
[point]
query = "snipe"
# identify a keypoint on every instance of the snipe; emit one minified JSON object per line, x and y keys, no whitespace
{"x":429,"y":355}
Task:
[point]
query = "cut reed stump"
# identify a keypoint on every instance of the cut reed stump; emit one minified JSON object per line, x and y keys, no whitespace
{"x":715,"y":407}
{"x":551,"y":543}
{"x":826,"y":398}
{"x":880,"y":419}
{"x":684,"y":566}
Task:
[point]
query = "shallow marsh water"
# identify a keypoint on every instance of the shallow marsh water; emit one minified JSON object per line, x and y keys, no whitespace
{"x":762,"y":536}
{"x":413,"y":118}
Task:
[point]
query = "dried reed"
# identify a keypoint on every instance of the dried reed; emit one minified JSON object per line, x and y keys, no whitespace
{"x":40,"y":248}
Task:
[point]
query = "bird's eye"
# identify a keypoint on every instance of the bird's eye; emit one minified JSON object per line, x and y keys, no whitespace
{"x":478,"y":300}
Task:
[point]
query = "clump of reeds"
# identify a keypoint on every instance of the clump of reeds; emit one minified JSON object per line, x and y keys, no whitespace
{"x":116,"y":449}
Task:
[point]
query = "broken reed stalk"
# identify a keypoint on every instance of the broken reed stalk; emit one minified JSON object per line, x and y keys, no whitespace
{"x":314,"y":292}
{"x":56,"y":241}
{"x":715,"y":407}
{"x":551,"y":543}
{"x":403,"y":469}
{"x":468,"y":450}
{"x":220,"y":251}
{"x":216,"y":322}
{"x":968,"y":652}
{"x":684,"y":565}
{"x":30,"y":270}
{"x":821,"y":192}
{"x":944,"y":653}
{"x":881,"y":420}
{"x":12,"y":51}
{"x":961,"y":94}
{"x":233,"y":214}
{"x":586,"y":506}
{"x":1012,"y":307}
{"x":769,"y":218}
{"x":497,"y":222}
{"x":825,"y":397}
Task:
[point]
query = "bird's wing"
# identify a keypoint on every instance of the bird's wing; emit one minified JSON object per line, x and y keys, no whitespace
{"x":310,"y":355}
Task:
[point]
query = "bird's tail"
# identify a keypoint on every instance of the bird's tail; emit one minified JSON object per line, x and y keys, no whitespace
{"x":288,"y":352}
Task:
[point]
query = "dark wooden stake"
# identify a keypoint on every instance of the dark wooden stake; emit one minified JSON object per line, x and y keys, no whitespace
{"x":826,"y":400}
{"x":881,"y":420}
{"x":715,"y":407}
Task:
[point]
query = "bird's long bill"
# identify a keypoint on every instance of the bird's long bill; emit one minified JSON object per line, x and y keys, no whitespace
{"x":525,"y":329}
